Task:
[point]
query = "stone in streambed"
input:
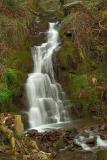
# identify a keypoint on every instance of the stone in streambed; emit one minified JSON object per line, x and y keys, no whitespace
{"x":19,"y":127}
{"x":103,"y":128}
{"x":59,"y":144}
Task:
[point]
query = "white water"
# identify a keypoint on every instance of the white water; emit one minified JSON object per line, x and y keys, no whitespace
{"x":99,"y":142}
{"x":47,"y":102}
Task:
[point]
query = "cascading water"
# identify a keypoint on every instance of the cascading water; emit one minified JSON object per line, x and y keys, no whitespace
{"x":46,"y":98}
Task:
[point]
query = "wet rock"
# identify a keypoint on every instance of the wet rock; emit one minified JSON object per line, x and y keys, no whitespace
{"x":103,"y":136}
{"x":59,"y":143}
{"x":19,"y":127}
{"x":38,"y":29}
{"x":32,"y":133}
{"x":69,"y":136}
{"x":103,"y":131}
{"x":67,"y":148}
{"x":9,"y":122}
{"x":104,"y":128}
{"x":76,"y":111}
{"x":3,"y":138}
{"x":7,"y":119}
{"x":86,"y":140}
{"x":91,"y":141}
{"x":61,"y":140}
{"x":85,"y":134}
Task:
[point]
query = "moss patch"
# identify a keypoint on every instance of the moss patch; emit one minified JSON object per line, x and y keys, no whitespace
{"x":102,"y":155}
{"x":17,"y":65}
{"x":4,"y":94}
{"x":83,"y":93}
{"x":66,"y":53}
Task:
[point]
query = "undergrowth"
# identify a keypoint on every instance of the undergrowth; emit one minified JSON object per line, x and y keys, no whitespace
{"x":15,"y":18}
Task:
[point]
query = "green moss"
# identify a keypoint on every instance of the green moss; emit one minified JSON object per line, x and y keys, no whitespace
{"x":17,"y":65}
{"x":79,"y":79}
{"x":4,"y":94}
{"x":11,"y":76}
{"x":19,"y":60}
{"x":102,"y":155}
{"x":66,"y":19}
{"x":79,"y":83}
{"x":9,"y":89}
{"x":100,"y":73}
{"x":14,"y":81}
{"x":66,"y":52}
{"x":93,"y":68}
{"x":82,"y":92}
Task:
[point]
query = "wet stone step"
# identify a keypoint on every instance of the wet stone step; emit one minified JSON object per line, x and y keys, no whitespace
{"x":67,"y":103}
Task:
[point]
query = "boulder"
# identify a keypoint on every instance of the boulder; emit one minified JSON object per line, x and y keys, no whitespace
{"x":19,"y":127}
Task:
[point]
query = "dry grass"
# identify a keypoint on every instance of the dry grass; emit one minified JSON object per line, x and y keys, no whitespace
{"x":12,"y":30}
{"x":15,"y":18}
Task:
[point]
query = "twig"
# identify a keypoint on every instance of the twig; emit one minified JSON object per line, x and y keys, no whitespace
{"x":102,"y":26}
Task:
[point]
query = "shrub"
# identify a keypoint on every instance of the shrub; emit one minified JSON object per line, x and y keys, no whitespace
{"x":11,"y":76}
{"x":13,"y":80}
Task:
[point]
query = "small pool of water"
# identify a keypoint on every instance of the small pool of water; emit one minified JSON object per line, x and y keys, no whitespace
{"x":79,"y":124}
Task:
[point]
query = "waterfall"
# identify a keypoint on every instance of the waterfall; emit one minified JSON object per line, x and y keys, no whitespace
{"x":47,"y":100}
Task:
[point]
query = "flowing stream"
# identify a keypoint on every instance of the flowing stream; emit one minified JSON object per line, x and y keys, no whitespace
{"x":47,"y":100}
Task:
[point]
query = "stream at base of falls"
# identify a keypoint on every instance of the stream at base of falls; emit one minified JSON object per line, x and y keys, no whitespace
{"x":47,"y":101}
